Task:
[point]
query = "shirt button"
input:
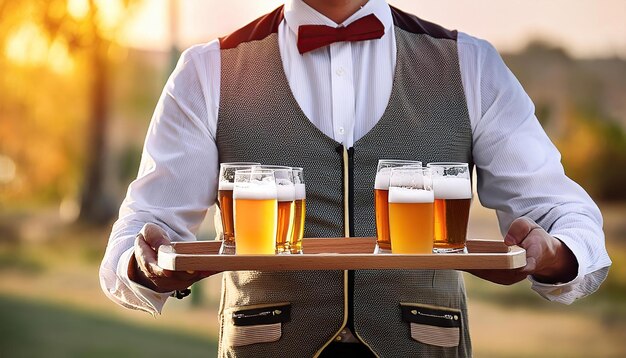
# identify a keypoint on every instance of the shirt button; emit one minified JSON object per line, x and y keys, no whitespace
{"x":338,"y":338}
{"x":340,"y":71}
{"x":341,"y":130}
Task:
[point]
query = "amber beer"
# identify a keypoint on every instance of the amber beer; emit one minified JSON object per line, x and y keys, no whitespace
{"x":284,"y":232}
{"x":286,"y":194}
{"x":411,"y":216}
{"x":453,"y":196}
{"x":452,"y":206}
{"x":256,"y":212}
{"x":381,"y":199}
{"x":256,"y":228}
{"x":381,"y":203}
{"x":298,"y":219}
{"x":225,"y":200}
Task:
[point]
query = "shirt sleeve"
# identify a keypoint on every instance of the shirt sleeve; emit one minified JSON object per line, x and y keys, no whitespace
{"x":519,"y":170}
{"x":177,"y":176}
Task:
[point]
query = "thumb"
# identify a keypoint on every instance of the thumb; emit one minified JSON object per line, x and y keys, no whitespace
{"x":519,"y":230}
{"x":154,"y":235}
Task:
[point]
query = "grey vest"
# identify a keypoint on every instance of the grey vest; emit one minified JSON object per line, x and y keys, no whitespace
{"x":396,"y":313}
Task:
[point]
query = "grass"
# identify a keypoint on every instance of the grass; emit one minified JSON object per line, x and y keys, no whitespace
{"x":37,"y":329}
{"x":18,"y":261}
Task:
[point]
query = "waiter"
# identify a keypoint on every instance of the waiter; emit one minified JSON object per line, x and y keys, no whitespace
{"x":332,"y":86}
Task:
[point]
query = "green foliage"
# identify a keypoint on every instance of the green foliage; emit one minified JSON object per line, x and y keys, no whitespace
{"x":129,"y":164}
{"x":15,"y":260}
{"x":594,"y":155}
{"x":579,"y":104}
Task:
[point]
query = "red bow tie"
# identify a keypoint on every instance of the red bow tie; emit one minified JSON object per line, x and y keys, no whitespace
{"x":311,"y":37}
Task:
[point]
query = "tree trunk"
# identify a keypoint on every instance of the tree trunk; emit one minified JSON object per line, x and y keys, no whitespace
{"x":96,"y":206}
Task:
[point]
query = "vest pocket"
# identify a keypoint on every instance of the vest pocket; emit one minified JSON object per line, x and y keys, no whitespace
{"x":255,"y":324}
{"x":433,"y":325}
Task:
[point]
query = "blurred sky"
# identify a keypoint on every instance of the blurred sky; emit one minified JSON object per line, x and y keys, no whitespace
{"x":586,"y":28}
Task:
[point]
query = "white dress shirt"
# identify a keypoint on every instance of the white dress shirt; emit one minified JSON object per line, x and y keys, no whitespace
{"x":343,"y":89}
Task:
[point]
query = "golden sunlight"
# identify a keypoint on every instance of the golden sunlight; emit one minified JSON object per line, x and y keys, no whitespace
{"x":198,"y":21}
{"x":110,"y":12}
{"x":59,"y":58}
{"x":148,"y":27}
{"x":78,"y":9}
{"x":27,"y":46}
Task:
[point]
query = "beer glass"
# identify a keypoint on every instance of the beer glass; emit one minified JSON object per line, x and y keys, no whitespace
{"x":453,"y":196}
{"x":256,"y":211}
{"x":299,"y":211}
{"x":411,"y":206}
{"x":226,"y":182}
{"x":381,"y":190}
{"x":286,"y":198}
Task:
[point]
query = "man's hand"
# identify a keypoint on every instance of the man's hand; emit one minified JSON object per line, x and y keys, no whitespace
{"x":143,"y":267}
{"x":548,"y":260}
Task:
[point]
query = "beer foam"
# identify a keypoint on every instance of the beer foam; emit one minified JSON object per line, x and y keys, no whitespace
{"x":382,"y":179}
{"x":255,"y":192}
{"x":300,"y":192}
{"x":225,"y":185}
{"x":281,"y":181}
{"x":405,"y":195}
{"x":452,"y":188}
{"x":286,"y":192}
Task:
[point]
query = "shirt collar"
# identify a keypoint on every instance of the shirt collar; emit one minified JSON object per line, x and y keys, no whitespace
{"x":299,"y":13}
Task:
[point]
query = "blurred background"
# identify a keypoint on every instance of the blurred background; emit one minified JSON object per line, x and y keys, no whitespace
{"x":79,"y":80}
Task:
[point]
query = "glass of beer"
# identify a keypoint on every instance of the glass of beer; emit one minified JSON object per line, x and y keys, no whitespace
{"x":381,"y":190}
{"x":286,"y":195}
{"x":256,"y":212}
{"x":226,"y":182}
{"x":299,"y":211}
{"x":411,"y":207}
{"x":453,"y":196}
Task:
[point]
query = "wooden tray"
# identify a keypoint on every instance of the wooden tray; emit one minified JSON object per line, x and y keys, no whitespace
{"x":338,"y":254}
